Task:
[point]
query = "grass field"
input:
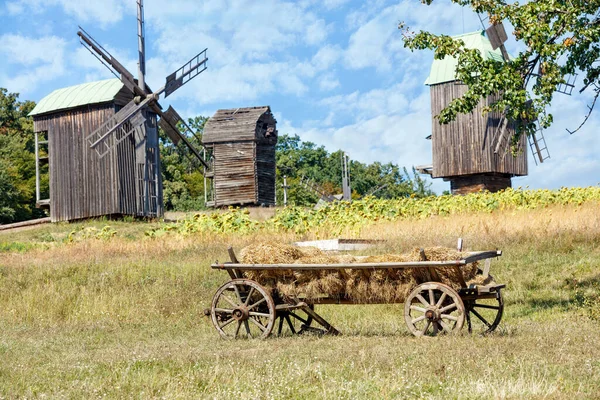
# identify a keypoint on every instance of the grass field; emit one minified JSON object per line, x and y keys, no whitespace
{"x":113,"y":313}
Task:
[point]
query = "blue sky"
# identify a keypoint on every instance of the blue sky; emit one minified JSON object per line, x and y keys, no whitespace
{"x":333,"y":71}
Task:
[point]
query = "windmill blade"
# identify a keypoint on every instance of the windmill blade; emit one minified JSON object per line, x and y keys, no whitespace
{"x":500,"y":137}
{"x":171,"y":132}
{"x":106,"y":58}
{"x":497,"y":36}
{"x":141,"y":45}
{"x":131,"y":112}
{"x":186,"y":73}
{"x":537,"y":144}
{"x":568,"y":86}
{"x":168,"y":122}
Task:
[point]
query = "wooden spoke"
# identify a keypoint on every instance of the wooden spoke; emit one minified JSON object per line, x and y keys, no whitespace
{"x":443,"y":313}
{"x":419,"y":309}
{"x":255,"y":322}
{"x":258,"y":317}
{"x":441,"y":300}
{"x":289,"y":321}
{"x":237,"y":292}
{"x":444,"y":326}
{"x":258,"y":314}
{"x":487,"y":314}
{"x":223,"y":325}
{"x":481,"y":318}
{"x":247,"y":326}
{"x":257,"y":303}
{"x":450,"y":317}
{"x":448,"y":307}
{"x":231,"y":302}
{"x":422,"y":300}
{"x":424,"y":331}
{"x":249,"y":296}
{"x":237,"y":330}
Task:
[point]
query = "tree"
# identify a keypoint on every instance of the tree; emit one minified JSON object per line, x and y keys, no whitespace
{"x":305,"y":160}
{"x":560,"y":38}
{"x":183,"y":182}
{"x":17,"y":160}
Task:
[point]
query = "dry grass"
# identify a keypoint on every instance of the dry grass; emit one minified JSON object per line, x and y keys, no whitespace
{"x":122,"y":318}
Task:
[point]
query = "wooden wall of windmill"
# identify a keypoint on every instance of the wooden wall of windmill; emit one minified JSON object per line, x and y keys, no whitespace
{"x":466,"y":151}
{"x":241,"y":142}
{"x":84,"y":182}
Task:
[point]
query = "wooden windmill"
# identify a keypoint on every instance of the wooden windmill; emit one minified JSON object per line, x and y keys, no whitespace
{"x":102,"y":138}
{"x":472,"y":152}
{"x":464,"y":150}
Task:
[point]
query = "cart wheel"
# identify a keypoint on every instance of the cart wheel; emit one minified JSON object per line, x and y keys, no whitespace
{"x":243,"y":308}
{"x":433,"y":308}
{"x":484,"y":314}
{"x":294,"y":321}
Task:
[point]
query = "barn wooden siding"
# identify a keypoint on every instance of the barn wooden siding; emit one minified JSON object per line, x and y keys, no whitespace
{"x":83,"y":185}
{"x":466,"y":145}
{"x":242,"y":142}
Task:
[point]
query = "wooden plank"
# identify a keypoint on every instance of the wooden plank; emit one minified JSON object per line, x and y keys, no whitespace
{"x":465,"y":146}
{"x":481,"y":255}
{"x":32,"y":222}
{"x":486,"y":268}
{"x":307,"y":267}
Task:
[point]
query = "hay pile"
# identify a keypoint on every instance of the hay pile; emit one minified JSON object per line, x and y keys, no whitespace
{"x":361,"y":286}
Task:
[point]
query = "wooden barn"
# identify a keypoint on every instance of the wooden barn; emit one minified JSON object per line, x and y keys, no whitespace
{"x":121,"y":177}
{"x":471,"y":152}
{"x":241,"y":142}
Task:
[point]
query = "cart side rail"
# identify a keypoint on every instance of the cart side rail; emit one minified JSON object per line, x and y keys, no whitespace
{"x":472,"y":257}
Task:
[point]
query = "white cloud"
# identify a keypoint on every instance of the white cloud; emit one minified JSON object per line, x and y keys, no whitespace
{"x":316,"y":32}
{"x":328,"y":82}
{"x":83,"y":60}
{"x":39,"y":59}
{"x":333,"y":4}
{"x":377,"y":42}
{"x":105,"y":12}
{"x":573,"y":158}
{"x":326,"y":56}
{"x":366,"y":105}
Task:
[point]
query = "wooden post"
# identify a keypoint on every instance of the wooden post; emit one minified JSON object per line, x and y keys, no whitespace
{"x":486,"y":268}
{"x":285,"y":188}
{"x":37,"y":169}
{"x":238,"y":274}
{"x":232,"y":255}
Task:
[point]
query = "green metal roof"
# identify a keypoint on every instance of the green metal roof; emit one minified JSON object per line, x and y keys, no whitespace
{"x":445,"y":70}
{"x":79,"y":95}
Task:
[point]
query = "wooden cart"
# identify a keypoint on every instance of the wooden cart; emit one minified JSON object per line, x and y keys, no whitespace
{"x":244,"y":308}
